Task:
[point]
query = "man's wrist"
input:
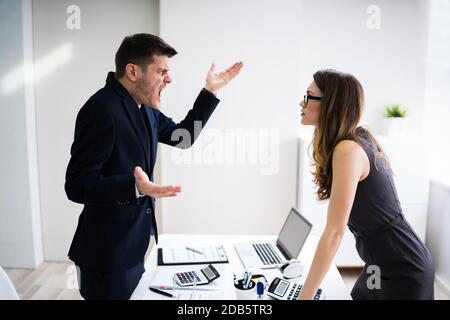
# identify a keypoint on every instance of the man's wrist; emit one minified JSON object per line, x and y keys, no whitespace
{"x":210,"y":90}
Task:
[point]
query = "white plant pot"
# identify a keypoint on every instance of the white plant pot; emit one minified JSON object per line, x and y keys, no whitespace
{"x":394,"y":127}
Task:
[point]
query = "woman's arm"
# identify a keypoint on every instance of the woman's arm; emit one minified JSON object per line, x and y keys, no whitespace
{"x":350,"y":165}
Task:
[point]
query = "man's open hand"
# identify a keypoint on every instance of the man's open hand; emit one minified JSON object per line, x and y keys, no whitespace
{"x":148,"y":188}
{"x":216,"y":81}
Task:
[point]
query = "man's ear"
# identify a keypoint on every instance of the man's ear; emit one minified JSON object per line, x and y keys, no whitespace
{"x":131,"y":72}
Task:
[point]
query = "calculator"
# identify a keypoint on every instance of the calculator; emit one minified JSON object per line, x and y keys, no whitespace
{"x":281,"y":289}
{"x":202,"y":276}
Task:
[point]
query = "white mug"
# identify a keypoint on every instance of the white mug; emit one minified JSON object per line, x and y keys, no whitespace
{"x":248,"y":293}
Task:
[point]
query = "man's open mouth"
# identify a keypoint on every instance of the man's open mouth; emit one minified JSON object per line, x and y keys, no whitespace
{"x":159,"y":92}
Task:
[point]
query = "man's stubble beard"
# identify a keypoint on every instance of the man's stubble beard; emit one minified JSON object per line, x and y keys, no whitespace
{"x":141,"y":92}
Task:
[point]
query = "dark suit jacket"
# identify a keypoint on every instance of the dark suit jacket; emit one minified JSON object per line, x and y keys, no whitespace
{"x":111,"y":139}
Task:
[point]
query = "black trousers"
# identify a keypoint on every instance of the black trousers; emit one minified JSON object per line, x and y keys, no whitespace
{"x":96,"y":285}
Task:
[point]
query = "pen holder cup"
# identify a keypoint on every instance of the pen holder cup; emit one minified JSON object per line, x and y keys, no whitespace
{"x":248,"y":293}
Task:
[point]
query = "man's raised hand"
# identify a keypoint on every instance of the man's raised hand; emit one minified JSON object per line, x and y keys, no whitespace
{"x":216,"y":81}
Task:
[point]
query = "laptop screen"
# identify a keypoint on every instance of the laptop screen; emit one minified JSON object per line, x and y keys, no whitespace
{"x":293,"y":234}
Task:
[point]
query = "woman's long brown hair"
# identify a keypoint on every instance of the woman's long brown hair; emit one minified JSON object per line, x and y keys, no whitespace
{"x":340,"y":111}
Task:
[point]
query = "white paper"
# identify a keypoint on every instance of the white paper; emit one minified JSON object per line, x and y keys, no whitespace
{"x":184,"y":255}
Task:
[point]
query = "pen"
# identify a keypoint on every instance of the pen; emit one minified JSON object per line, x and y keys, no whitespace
{"x":249,"y":279}
{"x":244,"y":280}
{"x":193,"y":250}
{"x":161,"y":292}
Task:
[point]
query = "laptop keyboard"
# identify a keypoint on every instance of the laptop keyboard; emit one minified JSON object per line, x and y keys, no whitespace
{"x":267,"y":254}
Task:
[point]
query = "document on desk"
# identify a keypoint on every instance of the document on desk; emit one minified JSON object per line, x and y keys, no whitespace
{"x":192,"y":255}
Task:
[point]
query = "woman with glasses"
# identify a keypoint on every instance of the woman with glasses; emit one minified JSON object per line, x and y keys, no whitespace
{"x":353,"y":173}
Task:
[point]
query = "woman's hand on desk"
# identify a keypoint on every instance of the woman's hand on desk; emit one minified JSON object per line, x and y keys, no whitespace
{"x":148,"y":188}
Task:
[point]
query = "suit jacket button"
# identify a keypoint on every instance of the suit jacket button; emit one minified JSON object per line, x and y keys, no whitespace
{"x":148,"y":211}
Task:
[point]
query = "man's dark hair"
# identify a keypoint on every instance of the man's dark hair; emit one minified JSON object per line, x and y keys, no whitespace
{"x":139,"y":49}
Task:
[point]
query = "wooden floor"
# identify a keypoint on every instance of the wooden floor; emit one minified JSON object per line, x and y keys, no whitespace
{"x":50,"y":281}
{"x":57,"y":281}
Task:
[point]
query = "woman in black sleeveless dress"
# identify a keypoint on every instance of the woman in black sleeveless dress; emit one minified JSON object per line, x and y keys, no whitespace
{"x":353,"y":172}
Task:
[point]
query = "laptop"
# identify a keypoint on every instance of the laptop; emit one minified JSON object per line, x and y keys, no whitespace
{"x":289,"y":243}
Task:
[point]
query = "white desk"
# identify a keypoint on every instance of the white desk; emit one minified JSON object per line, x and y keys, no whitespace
{"x":333,"y":285}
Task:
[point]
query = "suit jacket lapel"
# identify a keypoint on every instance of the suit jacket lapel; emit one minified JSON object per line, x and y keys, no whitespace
{"x":139,"y":126}
{"x":153,"y":138}
{"x":136,"y":119}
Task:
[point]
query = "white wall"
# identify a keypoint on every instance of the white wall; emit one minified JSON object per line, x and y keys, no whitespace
{"x":76,"y":63}
{"x":20,"y":225}
{"x":437,"y":128}
{"x":438,"y":237}
{"x":219,"y":195}
{"x":437,"y":99}
{"x":282,"y":45}
{"x":390,"y":61}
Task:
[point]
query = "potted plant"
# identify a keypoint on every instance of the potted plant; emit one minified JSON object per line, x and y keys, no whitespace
{"x":394,"y":120}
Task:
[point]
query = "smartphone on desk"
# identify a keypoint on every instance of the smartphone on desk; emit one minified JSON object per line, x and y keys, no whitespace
{"x":199,"y":277}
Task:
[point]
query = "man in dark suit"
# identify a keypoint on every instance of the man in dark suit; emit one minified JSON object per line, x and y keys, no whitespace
{"x":112,"y":159}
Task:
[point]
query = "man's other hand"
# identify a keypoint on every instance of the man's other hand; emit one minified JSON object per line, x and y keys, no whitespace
{"x":148,"y":188}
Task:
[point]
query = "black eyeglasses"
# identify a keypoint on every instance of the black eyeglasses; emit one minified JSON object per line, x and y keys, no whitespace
{"x":308,"y":97}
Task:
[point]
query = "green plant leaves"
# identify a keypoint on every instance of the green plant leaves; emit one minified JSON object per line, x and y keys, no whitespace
{"x":394,"y":111}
